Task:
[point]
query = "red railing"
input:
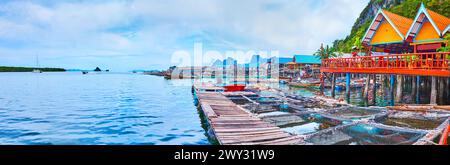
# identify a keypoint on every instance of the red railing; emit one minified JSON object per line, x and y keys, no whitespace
{"x":444,"y":136}
{"x":427,"y":63}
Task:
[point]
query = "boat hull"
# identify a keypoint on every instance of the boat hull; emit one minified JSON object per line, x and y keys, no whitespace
{"x":234,"y":88}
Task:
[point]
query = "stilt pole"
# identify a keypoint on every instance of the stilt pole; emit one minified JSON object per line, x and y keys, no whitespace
{"x":433,"y":90}
{"x":418,"y":90}
{"x":333,"y":85}
{"x":391,"y":89}
{"x":347,"y":87}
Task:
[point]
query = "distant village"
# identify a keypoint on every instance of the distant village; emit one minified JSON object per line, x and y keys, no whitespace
{"x":289,"y":68}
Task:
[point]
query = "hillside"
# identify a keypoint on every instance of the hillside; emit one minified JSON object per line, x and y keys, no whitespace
{"x":407,"y":8}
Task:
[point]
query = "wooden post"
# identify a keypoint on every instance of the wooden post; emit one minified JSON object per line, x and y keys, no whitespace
{"x":224,"y":69}
{"x":441,"y":90}
{"x":235,"y":70}
{"x":398,"y":97}
{"x":257,"y":69}
{"x":366,"y":87}
{"x":433,"y":90}
{"x":391,"y":89}
{"x":374,"y":89}
{"x":383,"y":84}
{"x":413,"y":87}
{"x":322,"y":83}
{"x":417,"y":90}
{"x":333,"y":85}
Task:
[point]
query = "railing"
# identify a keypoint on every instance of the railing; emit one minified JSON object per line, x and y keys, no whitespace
{"x":444,"y":136}
{"x":416,"y":61}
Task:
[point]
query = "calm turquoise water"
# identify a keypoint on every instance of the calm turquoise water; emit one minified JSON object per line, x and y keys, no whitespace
{"x":71,"y":108}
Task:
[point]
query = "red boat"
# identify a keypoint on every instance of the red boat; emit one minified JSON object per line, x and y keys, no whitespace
{"x":234,"y":88}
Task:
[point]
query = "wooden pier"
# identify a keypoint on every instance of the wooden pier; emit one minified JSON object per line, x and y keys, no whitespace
{"x":232,"y":125}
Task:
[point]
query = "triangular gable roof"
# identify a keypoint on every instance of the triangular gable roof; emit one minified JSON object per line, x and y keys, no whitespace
{"x":438,"y":21}
{"x":399,"y":23}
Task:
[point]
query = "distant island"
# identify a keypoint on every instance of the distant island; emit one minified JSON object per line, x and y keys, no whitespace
{"x":29,"y":69}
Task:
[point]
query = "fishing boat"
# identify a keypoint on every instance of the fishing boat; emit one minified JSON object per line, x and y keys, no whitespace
{"x":84,"y":72}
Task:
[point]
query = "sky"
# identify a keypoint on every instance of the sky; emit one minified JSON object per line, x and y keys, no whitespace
{"x":144,"y":34}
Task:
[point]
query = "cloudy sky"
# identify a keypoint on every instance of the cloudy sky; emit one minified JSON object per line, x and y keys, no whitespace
{"x":143,"y":34}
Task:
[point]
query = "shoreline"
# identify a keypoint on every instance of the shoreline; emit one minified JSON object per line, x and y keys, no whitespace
{"x":29,"y":69}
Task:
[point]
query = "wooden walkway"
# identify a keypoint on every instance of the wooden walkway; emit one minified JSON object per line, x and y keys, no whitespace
{"x":232,"y":125}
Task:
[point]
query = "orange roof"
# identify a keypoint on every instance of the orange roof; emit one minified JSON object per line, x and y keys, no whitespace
{"x":401,"y":23}
{"x":441,"y":21}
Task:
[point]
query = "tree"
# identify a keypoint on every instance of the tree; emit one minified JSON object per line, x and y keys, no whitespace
{"x":324,"y":53}
{"x":447,"y":47}
{"x":447,"y":42}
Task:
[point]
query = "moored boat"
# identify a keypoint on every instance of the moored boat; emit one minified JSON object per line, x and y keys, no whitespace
{"x":234,"y":87}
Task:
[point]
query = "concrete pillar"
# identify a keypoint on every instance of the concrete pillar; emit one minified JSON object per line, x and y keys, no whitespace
{"x":391,"y":89}
{"x":417,"y":90}
{"x":333,"y":85}
{"x":398,"y":96}
{"x":433,"y":90}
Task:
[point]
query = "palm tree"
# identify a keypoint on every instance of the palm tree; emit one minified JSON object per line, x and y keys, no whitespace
{"x":325,"y":53}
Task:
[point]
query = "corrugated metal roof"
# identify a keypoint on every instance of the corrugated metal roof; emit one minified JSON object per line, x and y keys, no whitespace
{"x":283,"y":60}
{"x":401,"y":23}
{"x":306,"y":59}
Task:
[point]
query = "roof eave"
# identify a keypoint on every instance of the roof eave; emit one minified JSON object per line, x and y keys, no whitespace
{"x":425,"y":11}
{"x":371,"y":24}
{"x":415,"y":20}
{"x":446,"y":30}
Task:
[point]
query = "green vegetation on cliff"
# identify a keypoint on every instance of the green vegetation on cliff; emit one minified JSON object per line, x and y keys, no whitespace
{"x":27,"y":69}
{"x":406,"y":8}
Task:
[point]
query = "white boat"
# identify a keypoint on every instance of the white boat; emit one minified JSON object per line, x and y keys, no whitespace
{"x":36,"y":71}
{"x":37,"y":65}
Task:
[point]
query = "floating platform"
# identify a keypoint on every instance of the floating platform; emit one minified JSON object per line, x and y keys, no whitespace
{"x":232,"y":125}
{"x":316,"y":120}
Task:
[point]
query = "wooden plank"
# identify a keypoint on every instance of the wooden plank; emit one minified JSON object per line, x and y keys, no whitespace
{"x":248,"y":133}
{"x":254,"y":139}
{"x":288,"y":140}
{"x":252,"y":136}
{"x":245,"y":130}
{"x":240,"y":122}
{"x":233,"y":125}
